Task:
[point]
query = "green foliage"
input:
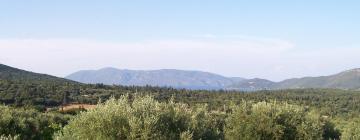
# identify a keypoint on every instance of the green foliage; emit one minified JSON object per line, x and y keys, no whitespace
{"x":14,"y":74}
{"x":352,"y":130}
{"x":3,"y":137}
{"x":28,"y":123}
{"x":73,"y":111}
{"x":142,"y":118}
{"x":272,"y":121}
{"x":330,"y":131}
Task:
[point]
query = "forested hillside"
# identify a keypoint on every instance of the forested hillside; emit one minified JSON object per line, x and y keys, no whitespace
{"x":349,"y":79}
{"x":20,"y":87}
{"x":13,"y":74}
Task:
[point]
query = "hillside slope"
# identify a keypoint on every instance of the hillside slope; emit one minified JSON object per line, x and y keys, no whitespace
{"x":349,"y":79}
{"x":14,"y":74}
{"x":20,"y":87}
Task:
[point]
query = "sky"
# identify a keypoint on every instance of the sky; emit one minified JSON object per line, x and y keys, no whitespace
{"x":275,"y":39}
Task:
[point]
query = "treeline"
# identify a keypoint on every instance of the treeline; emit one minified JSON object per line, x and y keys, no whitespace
{"x":330,"y":102}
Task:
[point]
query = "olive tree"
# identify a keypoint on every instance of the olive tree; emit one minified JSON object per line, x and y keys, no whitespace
{"x":142,"y":118}
{"x":352,"y":130}
{"x":272,"y":121}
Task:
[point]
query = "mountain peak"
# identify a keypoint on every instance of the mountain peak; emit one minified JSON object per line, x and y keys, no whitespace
{"x":108,"y":68}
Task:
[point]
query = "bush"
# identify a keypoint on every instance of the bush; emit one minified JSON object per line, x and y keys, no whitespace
{"x":352,"y":130}
{"x":330,"y":131}
{"x":272,"y":121}
{"x":142,"y":118}
{"x":73,"y":111}
{"x":28,"y":123}
{"x":2,"y":137}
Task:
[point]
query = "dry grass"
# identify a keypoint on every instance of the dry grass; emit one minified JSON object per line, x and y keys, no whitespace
{"x":76,"y":106}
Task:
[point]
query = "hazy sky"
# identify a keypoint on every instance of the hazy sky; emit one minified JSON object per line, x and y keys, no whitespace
{"x":273,"y":39}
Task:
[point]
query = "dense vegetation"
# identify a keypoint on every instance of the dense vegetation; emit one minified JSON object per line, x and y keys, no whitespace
{"x":25,"y":123}
{"x":145,"y":118}
{"x":181,"y":114}
{"x":167,"y":113}
{"x":330,"y":102}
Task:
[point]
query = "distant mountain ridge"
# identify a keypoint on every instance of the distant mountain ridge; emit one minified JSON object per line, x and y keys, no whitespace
{"x":163,"y":77}
{"x":252,"y":84}
{"x":349,"y":79}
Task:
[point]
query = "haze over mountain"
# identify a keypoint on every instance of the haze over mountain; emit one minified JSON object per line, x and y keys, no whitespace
{"x":203,"y":80}
{"x":349,"y":79}
{"x":163,"y":77}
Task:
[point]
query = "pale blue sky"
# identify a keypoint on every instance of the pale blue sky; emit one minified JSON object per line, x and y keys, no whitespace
{"x":303,"y":30}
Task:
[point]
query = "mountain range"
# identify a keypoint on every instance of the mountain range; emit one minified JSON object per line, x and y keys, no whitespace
{"x":163,"y":77}
{"x":349,"y":79}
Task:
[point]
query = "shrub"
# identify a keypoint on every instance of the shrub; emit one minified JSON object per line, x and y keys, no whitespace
{"x":352,"y":130}
{"x":3,"y":137}
{"x":272,"y":121}
{"x":142,"y":118}
{"x":28,"y":123}
{"x":73,"y":111}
